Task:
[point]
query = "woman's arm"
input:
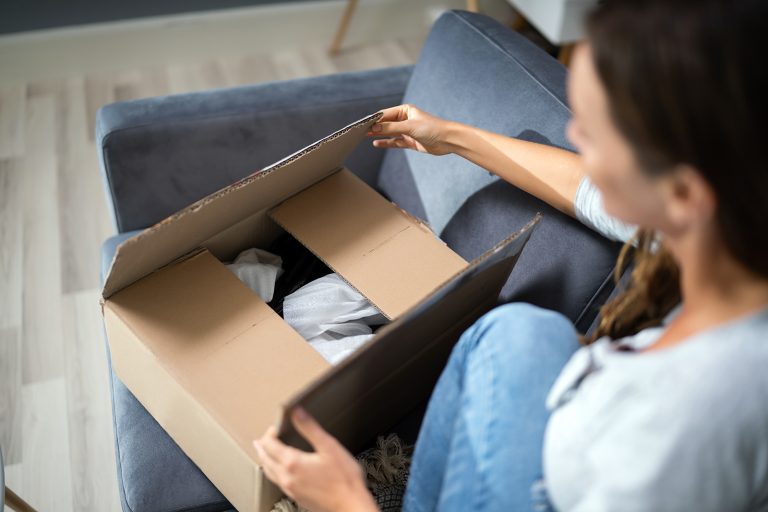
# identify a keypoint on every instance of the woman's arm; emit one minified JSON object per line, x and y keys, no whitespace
{"x":551,"y":174}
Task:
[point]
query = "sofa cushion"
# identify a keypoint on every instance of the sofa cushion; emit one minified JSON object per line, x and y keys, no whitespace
{"x":153,"y":474}
{"x":565,"y":266}
{"x":474,"y":70}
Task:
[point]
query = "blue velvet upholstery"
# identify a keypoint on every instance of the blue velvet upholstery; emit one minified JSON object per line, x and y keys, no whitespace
{"x":478,"y":72}
{"x":161,"y":154}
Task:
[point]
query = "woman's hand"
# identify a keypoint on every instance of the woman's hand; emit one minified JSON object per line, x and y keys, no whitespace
{"x":408,"y":127}
{"x":328,"y":479}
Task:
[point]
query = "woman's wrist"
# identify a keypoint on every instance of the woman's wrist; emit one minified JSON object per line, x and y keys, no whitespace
{"x":455,"y":136}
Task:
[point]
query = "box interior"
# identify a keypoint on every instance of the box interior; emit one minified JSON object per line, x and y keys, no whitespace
{"x":387,"y":255}
{"x":227,"y":347}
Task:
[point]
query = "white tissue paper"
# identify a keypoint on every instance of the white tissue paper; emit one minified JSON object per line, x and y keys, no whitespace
{"x":330,"y":314}
{"x":336,"y":350}
{"x":258,"y":270}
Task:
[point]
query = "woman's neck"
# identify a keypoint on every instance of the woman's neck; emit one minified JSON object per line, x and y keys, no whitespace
{"x":715,"y":289}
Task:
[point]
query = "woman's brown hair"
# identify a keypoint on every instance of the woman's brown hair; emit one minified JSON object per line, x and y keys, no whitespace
{"x":686,"y":84}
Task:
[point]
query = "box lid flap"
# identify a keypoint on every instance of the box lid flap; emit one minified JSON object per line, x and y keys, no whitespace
{"x":187,"y":229}
{"x":386,"y":254}
{"x":220,"y":341}
{"x":396,"y":370}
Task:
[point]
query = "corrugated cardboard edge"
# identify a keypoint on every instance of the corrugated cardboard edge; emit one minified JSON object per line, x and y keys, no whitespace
{"x":423,"y":225}
{"x":108,"y":289}
{"x":312,"y":387}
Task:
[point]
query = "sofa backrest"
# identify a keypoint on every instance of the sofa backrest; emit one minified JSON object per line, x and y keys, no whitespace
{"x":161,"y":154}
{"x":474,"y":70}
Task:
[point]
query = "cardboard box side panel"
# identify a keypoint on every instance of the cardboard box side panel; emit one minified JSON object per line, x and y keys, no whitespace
{"x":346,"y":390}
{"x":267,"y":493}
{"x":219,"y":341}
{"x":407,"y":387}
{"x":385,"y":254}
{"x":233,"y":471}
{"x":403,"y":362}
{"x":185,"y":230}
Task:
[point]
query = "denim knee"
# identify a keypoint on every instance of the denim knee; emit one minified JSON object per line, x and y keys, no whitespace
{"x":521,"y":328}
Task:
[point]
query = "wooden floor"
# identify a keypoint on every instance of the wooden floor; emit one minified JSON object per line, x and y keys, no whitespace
{"x":55,"y":417}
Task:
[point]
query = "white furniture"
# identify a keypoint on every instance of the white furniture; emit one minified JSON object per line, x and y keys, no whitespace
{"x":560,"y":21}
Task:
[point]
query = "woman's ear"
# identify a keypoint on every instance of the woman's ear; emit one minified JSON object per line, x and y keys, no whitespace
{"x":690,"y":200}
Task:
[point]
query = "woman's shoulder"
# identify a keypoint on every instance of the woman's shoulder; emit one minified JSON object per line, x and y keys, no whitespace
{"x":716,"y":382}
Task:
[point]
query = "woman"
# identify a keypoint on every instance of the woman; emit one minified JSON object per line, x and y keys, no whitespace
{"x":666,"y":407}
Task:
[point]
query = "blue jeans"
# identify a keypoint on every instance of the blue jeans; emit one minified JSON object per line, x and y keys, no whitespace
{"x":480,"y":445}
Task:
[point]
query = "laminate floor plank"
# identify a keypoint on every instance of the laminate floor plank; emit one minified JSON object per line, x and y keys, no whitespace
{"x":12,"y":108}
{"x":10,"y":245}
{"x":10,"y":395}
{"x":250,"y":69}
{"x":41,"y":122}
{"x":289,"y":64}
{"x":360,"y":57}
{"x":41,"y":272}
{"x":45,"y":479}
{"x":91,"y":443}
{"x":82,"y":230}
{"x":196,"y":77}
{"x":99,"y":91}
{"x":412,"y":47}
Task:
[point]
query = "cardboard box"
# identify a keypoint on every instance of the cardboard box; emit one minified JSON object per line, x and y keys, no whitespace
{"x":215,"y":365}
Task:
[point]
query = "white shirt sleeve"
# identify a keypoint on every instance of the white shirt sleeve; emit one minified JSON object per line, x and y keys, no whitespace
{"x":588,"y":205}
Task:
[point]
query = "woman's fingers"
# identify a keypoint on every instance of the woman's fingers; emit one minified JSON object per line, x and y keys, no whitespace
{"x":397,"y":113}
{"x":328,"y":479}
{"x":394,"y":121}
{"x":277,"y":451}
{"x":396,"y":142}
{"x":390,"y":128}
{"x":311,"y":430}
{"x":272,"y":469}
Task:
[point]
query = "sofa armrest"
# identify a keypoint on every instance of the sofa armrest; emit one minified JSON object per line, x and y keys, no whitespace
{"x":159,"y":155}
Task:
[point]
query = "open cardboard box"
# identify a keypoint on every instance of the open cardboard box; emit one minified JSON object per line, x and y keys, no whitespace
{"x":215,"y":365}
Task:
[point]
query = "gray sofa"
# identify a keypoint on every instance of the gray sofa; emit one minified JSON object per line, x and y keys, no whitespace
{"x":161,"y":154}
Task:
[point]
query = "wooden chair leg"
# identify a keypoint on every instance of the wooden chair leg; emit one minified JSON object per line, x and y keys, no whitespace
{"x":564,"y":55}
{"x":13,"y":502}
{"x":473,"y":6}
{"x":518,"y":22}
{"x":343,"y":25}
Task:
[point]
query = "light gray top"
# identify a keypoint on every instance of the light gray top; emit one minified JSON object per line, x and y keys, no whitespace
{"x":684,"y":428}
{"x":588,"y":205}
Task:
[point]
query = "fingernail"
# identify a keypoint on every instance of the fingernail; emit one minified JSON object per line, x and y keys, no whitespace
{"x":376,"y":128}
{"x":301,"y":414}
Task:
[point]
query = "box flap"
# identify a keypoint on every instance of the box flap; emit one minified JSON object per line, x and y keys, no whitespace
{"x":383,"y":252}
{"x":189,"y":228}
{"x":221,"y":342}
{"x":397,"y":369}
